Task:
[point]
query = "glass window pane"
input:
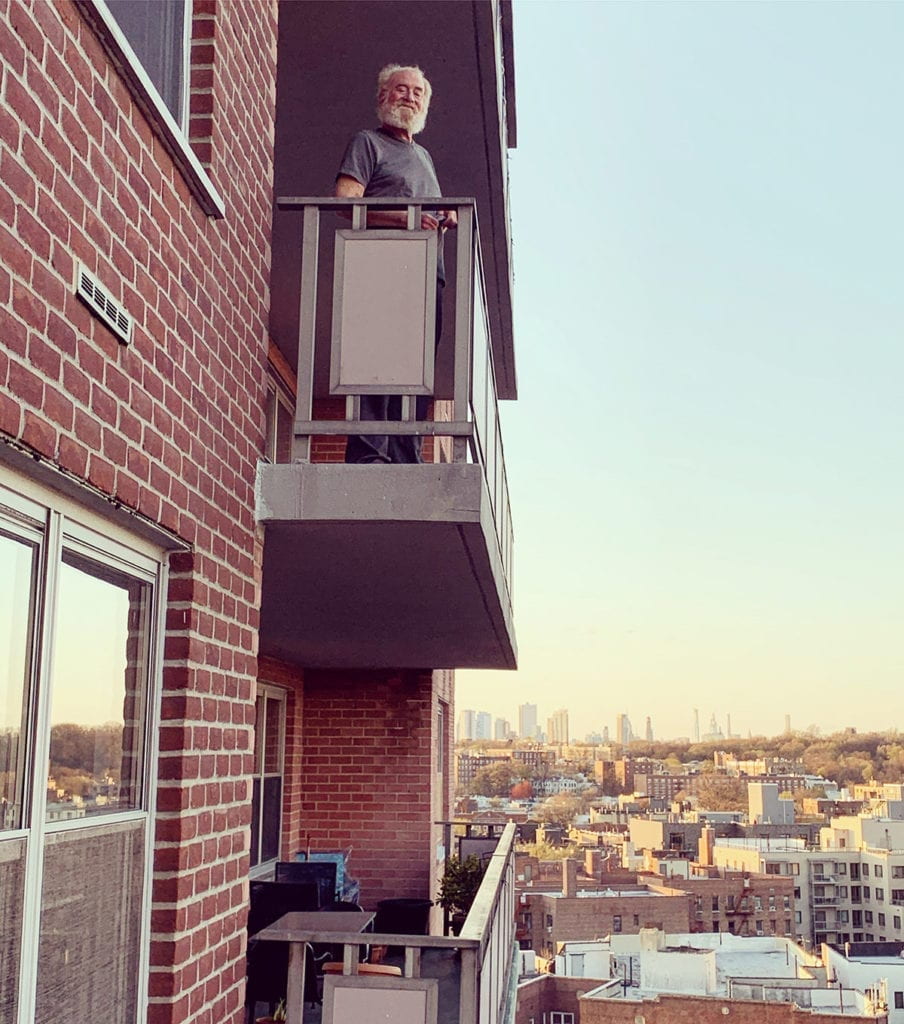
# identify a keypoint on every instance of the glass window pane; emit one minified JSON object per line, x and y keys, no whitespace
{"x":273,"y":737}
{"x":91,"y":904}
{"x":155,"y":30}
{"x":12,"y":883}
{"x":272,"y":805}
{"x":17,"y":566}
{"x":255,"y":820}
{"x":98,"y":696}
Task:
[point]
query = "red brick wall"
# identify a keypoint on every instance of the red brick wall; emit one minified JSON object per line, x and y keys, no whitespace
{"x":592,"y":917}
{"x":550,"y":994}
{"x":666,"y":1009}
{"x":368,"y":775}
{"x":172,"y":425}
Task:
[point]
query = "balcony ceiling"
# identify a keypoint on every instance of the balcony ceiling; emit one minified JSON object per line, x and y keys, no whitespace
{"x":415,"y":581}
{"x":329,"y":55}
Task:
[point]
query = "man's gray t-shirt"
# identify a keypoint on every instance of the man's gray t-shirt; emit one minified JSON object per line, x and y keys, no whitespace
{"x":387,"y":166}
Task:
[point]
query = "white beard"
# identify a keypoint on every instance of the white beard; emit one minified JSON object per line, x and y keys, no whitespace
{"x":402,"y":117}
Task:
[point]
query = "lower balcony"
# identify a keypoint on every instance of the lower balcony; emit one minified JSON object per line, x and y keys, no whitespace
{"x":466,"y":979}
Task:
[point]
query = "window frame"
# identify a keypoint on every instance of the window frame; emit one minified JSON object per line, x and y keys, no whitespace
{"x":164,"y":125}
{"x":269,"y":691}
{"x":58,"y":523}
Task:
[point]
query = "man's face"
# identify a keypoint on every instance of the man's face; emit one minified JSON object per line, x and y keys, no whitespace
{"x":403,"y":102}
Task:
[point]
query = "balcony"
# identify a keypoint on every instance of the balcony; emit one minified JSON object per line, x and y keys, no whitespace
{"x":470,"y":978}
{"x":389,"y":566}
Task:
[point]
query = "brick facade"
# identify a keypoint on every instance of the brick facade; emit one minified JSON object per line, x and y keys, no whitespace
{"x":369,"y":778}
{"x":547,"y":919}
{"x":667,"y":1009}
{"x":170,"y":427}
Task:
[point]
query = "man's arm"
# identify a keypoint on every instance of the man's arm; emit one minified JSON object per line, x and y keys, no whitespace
{"x":350,"y":188}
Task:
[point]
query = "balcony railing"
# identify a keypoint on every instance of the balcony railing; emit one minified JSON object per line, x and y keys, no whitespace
{"x":474,"y":973}
{"x":474,"y":426}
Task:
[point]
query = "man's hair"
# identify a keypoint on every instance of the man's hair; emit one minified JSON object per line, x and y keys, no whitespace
{"x":387,"y":72}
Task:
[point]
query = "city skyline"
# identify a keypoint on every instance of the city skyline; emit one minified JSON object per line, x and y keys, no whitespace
{"x":709,"y":313}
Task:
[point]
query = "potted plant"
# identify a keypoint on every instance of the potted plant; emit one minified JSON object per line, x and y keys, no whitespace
{"x":278,"y":1017}
{"x":458,"y":887}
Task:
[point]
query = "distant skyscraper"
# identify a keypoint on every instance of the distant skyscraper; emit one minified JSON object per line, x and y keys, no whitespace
{"x":696,"y":725}
{"x":527,"y":721}
{"x":623,"y":731}
{"x":501,"y":729}
{"x":557,"y":727}
{"x":649,"y":730}
{"x":728,"y":726}
{"x":467,"y":725}
{"x":483,"y":726}
{"x":605,"y":734}
{"x":787,"y":725}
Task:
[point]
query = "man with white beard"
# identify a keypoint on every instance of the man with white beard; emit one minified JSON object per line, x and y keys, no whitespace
{"x":386,"y":161}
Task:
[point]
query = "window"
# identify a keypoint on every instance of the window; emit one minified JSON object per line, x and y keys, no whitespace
{"x":857,"y":918}
{"x":899,"y":1000}
{"x":280,"y":421}
{"x":773,"y":868}
{"x":840,"y":869}
{"x":715,"y":904}
{"x":561,"y":1018}
{"x":855,"y":894}
{"x":759,"y":927}
{"x":866,"y":892}
{"x":77,"y":768}
{"x":636,"y":920}
{"x":267,"y":781}
{"x":157,"y":30}
{"x":880,"y":919}
{"x":616,"y":923}
{"x":841,"y":891}
{"x":786,"y":902}
{"x":864,"y":869}
{"x":842,"y":917}
{"x":880,"y":895}
{"x":897,"y":895}
{"x":897,"y":871}
{"x":867,"y":917}
{"x":878,"y":871}
{"x":855,"y":871}
{"x":896,"y":921}
{"x":758,"y":902}
{"x":795,"y":869}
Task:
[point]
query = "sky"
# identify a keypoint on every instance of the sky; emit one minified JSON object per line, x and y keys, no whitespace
{"x":705,"y":460}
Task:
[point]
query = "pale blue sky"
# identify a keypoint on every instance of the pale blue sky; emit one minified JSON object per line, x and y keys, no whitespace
{"x":706,"y":459}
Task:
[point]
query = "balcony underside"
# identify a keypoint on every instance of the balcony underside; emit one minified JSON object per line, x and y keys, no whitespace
{"x":382,"y":567}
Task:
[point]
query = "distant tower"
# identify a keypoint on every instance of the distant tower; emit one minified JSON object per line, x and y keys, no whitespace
{"x":649,"y":730}
{"x":787,"y":725}
{"x":623,"y":731}
{"x":728,"y":726}
{"x":605,"y":734}
{"x":696,"y":725}
{"x":467,"y":725}
{"x":483,"y":725}
{"x":557,"y":727}
{"x":527,"y":721}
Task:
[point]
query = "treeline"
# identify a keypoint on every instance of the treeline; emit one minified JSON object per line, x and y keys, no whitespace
{"x":846,"y":757}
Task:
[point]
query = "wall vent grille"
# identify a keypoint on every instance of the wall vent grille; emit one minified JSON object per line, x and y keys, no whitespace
{"x":98,"y":300}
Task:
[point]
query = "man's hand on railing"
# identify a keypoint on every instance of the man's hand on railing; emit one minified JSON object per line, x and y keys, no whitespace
{"x":349,"y":188}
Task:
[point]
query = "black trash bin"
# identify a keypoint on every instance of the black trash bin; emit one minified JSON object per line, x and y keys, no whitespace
{"x":403,"y":916}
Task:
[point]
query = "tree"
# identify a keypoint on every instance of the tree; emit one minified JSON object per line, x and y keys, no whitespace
{"x":496,"y":779}
{"x":559,"y":809}
{"x":721,"y":793}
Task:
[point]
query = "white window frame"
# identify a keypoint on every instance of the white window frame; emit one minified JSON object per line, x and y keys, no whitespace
{"x":280,"y":694}
{"x":56,"y":523}
{"x":171,"y":134}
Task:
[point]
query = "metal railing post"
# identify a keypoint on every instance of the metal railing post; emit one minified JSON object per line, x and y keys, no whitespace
{"x":464,"y":316}
{"x":307,"y":326}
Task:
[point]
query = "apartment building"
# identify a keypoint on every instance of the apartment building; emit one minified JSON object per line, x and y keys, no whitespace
{"x":848,"y":889}
{"x":225,"y":643}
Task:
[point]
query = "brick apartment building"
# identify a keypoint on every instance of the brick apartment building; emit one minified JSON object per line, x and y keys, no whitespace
{"x":546,"y":918}
{"x":199,"y":683}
